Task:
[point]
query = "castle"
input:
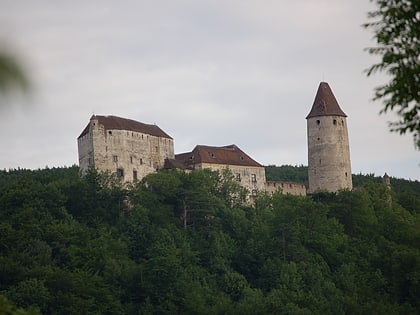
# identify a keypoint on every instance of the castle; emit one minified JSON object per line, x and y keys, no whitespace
{"x":132,"y":150}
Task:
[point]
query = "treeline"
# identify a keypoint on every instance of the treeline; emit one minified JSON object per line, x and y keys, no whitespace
{"x":188,"y":243}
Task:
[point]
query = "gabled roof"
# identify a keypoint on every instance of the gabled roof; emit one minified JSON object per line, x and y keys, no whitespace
{"x":118,"y":123}
{"x":325,"y":103}
{"x":226,"y":155}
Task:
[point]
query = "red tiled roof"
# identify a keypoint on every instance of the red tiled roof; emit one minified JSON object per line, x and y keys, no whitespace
{"x":118,"y":123}
{"x":227,"y":155}
{"x":325,"y":103}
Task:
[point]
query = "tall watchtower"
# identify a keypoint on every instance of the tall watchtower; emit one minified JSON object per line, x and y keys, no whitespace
{"x":328,"y":144}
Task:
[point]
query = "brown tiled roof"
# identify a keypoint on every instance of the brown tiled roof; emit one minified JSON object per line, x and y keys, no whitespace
{"x":173,"y":163}
{"x":227,"y":155}
{"x":118,"y":123}
{"x":325,"y":103}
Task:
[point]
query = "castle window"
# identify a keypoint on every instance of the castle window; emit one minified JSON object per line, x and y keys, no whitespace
{"x":253,"y":178}
{"x":238,"y":177}
{"x":120,"y":173}
{"x":319,"y":139}
{"x":241,"y":158}
{"x":335,"y":122}
{"x":157,"y":149}
{"x":110,"y":133}
{"x":318,"y":122}
{"x":115,"y":158}
{"x":345,"y":174}
{"x":141,"y":161}
{"x":135,"y":175}
{"x":131,"y":159}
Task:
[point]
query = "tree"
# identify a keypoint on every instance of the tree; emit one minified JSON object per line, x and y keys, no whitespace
{"x":396,"y":27}
{"x":11,"y":74}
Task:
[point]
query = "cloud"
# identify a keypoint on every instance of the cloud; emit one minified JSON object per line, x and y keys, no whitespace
{"x":212,"y":72}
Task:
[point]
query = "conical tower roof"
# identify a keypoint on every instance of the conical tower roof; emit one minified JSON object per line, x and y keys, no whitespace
{"x":325,"y":103}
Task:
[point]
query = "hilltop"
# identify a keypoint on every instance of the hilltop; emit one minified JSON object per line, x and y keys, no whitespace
{"x":188,"y":243}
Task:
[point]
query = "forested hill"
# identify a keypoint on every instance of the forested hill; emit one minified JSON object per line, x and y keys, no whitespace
{"x":187,"y":243}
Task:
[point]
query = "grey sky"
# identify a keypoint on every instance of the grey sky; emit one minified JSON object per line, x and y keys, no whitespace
{"x":207,"y":72}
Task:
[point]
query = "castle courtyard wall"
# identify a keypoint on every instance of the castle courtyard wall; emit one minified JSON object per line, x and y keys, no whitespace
{"x":297,"y":189}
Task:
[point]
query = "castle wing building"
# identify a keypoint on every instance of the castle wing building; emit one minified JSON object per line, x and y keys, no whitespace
{"x":127,"y":147}
{"x":249,"y":173}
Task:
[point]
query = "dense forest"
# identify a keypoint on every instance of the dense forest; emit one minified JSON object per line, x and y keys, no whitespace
{"x":188,"y":243}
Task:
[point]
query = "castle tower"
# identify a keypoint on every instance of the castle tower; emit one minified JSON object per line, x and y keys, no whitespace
{"x":328,"y":144}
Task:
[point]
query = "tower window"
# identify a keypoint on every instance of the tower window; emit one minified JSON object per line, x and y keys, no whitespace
{"x":318,"y":122}
{"x":238,"y":177}
{"x":131,"y":159}
{"x":135,"y":175}
{"x":115,"y":158}
{"x":110,"y":132}
{"x":335,"y":122}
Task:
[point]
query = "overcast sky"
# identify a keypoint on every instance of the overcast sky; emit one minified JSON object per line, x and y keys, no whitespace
{"x":216,"y":72}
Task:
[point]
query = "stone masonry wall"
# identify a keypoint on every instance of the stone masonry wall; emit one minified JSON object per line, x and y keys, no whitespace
{"x":328,"y":154}
{"x":297,"y":189}
{"x":250,"y":177}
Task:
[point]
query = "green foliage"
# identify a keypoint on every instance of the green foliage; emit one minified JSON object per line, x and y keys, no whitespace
{"x":397,"y":34}
{"x":287,"y":173}
{"x":12,"y":75}
{"x":188,"y":243}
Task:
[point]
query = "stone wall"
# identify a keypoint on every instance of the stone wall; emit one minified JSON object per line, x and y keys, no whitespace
{"x":328,"y":154}
{"x":291,"y":188}
{"x":250,"y":177}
